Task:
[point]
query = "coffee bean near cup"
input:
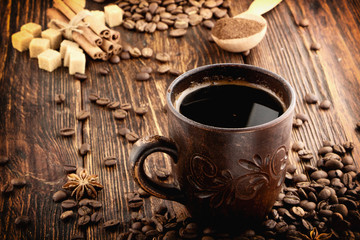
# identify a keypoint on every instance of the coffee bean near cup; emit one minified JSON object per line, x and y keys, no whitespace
{"x":229,"y":136}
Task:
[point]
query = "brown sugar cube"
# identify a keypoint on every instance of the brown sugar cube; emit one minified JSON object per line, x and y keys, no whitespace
{"x":68,"y":51}
{"x":113,"y":15}
{"x":32,"y":28}
{"x":21,"y":40}
{"x":77,"y":62}
{"x":64,"y":44}
{"x":49,"y":60}
{"x":37,"y":46}
{"x":54,"y":36}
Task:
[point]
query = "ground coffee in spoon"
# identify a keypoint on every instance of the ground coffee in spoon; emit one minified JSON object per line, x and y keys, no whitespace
{"x":230,"y":28}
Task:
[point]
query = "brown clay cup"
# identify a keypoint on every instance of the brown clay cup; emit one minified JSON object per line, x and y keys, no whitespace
{"x":221,"y":174}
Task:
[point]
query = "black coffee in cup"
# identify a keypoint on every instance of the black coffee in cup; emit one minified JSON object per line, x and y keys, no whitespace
{"x":230,"y":105}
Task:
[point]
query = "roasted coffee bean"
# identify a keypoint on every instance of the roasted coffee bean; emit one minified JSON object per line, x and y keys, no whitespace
{"x":22,"y":220}
{"x":339,"y":149}
{"x":349,"y":146}
{"x":68,"y":204}
{"x":333,"y":164}
{"x":135,"y":52}
{"x":315,"y":46}
{"x":111,"y":223}
{"x":304,"y":22}
{"x":335,"y":173}
{"x":69,"y":168}
{"x":324,"y":150}
{"x":84,"y":149}
{"x":110,"y":161}
{"x":319,"y":174}
{"x":302,"y":116}
{"x":162,"y":57}
{"x":80,"y":76}
{"x":84,"y":202}
{"x":125,"y":55}
{"x":66,"y":215}
{"x":84,"y":210}
{"x":300,"y":178}
{"x":291,"y":200}
{"x":123,"y":131}
{"x":208,"y":24}
{"x":179,"y":32}
{"x":297,"y":122}
{"x":297,"y":146}
{"x":120,"y":114}
{"x":113,"y":105}
{"x":96,"y":217}
{"x":59,"y":196}
{"x":103,"y":101}
{"x":114,"y":59}
{"x":147,"y":52}
{"x":340,"y":208}
{"x":323,"y":181}
{"x":67,"y":132}
{"x":18,"y":182}
{"x":310,"y":98}
{"x":137,"y":226}
{"x":324,"y":194}
{"x":163,"y":69}
{"x":181,"y":24}
{"x":82,"y":115}
{"x":325,"y":104}
{"x":4,"y":159}
{"x":125,"y":106}
{"x":146,"y":69}
{"x":59,"y":98}
{"x":161,"y":26}
{"x":7,"y":188}
{"x":80,"y":236}
{"x":83,"y":220}
{"x":93,"y":97}
{"x":135,"y":203}
{"x":347,"y":160}
{"x":94,"y":203}
{"x":104,"y":71}
{"x":142,"y":76}
{"x":131,"y":136}
{"x":141,"y":110}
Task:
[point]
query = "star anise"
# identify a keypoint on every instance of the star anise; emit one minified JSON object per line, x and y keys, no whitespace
{"x":314,"y":235}
{"x":82,"y":184}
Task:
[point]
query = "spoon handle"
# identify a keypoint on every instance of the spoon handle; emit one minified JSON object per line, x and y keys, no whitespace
{"x":259,"y":7}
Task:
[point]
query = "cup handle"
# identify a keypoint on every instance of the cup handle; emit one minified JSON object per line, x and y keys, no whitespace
{"x":140,"y":151}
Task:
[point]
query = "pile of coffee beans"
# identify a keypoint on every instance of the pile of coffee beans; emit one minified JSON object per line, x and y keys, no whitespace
{"x":149,"y":16}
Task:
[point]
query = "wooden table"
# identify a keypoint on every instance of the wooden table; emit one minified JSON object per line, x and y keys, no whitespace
{"x":30,"y":119}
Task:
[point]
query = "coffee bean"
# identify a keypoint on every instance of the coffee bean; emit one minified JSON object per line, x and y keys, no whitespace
{"x":113,"y":105}
{"x":304,"y":22}
{"x":125,"y":55}
{"x":310,"y":98}
{"x":179,"y":32}
{"x":22,"y":220}
{"x":195,"y":19}
{"x":96,"y":217}
{"x":300,"y":178}
{"x":114,"y":59}
{"x":131,"y":136}
{"x":68,"y":204}
{"x":175,"y":72}
{"x":181,"y":24}
{"x":347,"y":160}
{"x":110,"y":161}
{"x":302,"y":116}
{"x":147,"y":52}
{"x":349,"y":146}
{"x":93,"y":97}
{"x":162,"y":57}
{"x":333,"y":164}
{"x":291,"y":200}
{"x":297,"y":122}
{"x":66,"y":215}
{"x":141,"y":110}
{"x":111,"y":223}
{"x":103,"y":101}
{"x":59,"y":196}
{"x":82,"y":115}
{"x":84,"y":149}
{"x":142,"y":76}
{"x":83,"y":220}
{"x":162,"y":26}
{"x":324,"y":194}
{"x":163,"y":69}
{"x":125,"y":106}
{"x":339,"y":149}
{"x":135,"y":52}
{"x":325,"y":104}
{"x":297,"y":146}
{"x":7,"y":188}
{"x":18,"y":182}
{"x":80,"y":236}
{"x":123,"y":131}
{"x":67,"y":132}
{"x":69,"y":168}
{"x":84,"y":210}
{"x":315,"y":46}
{"x":3,"y":160}
{"x":208,"y":24}
{"x":146,"y":69}
{"x":59,"y":98}
{"x":80,"y":76}
{"x":104,"y":71}
{"x":120,"y":114}
{"x":340,"y":208}
{"x":319,"y":174}
{"x":94,"y":203}
{"x":325,"y":150}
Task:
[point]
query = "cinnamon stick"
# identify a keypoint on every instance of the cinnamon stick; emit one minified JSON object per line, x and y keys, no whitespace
{"x":93,"y":51}
{"x":99,"y":28}
{"x":107,"y":46}
{"x":87,"y":32}
{"x":117,"y":48}
{"x":114,"y":36}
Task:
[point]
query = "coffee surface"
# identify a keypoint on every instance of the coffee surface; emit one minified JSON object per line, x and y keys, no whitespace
{"x":230,"y":106}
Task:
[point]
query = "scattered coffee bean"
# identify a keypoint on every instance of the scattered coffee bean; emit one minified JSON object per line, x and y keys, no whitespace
{"x":59,"y":98}
{"x":120,"y":114}
{"x":315,"y":46}
{"x":22,"y":221}
{"x":179,"y":32}
{"x":66,"y":215}
{"x":83,"y":220}
{"x":114,"y":59}
{"x":111,"y":223}
{"x":146,"y":69}
{"x":110,"y":161}
{"x":104,"y":71}
{"x":113,"y":105}
{"x":18,"y":182}
{"x":80,"y":76}
{"x":162,"y":57}
{"x":67,"y":132}
{"x":3,"y":160}
{"x":125,"y":106}
{"x":141,"y":110}
{"x":93,"y":97}
{"x":123,"y":131}
{"x":94,"y":203}
{"x":68,"y":204}
{"x":135,"y":52}
{"x":297,"y":146}
{"x":125,"y":55}
{"x":103,"y":101}
{"x":84,"y":210}
{"x":297,"y":122}
{"x":69,"y":168}
{"x":208,"y":24}
{"x":147,"y":52}
{"x":59,"y":196}
{"x":299,"y":178}
{"x":349,"y":146}
{"x":302,"y":116}
{"x":142,"y":76}
{"x":131,"y":136}
{"x":304,"y":22}
{"x":163,"y":69}
{"x":82,"y":115}
{"x":325,"y":104}
{"x":310,"y":98}
{"x":96,"y":217}
{"x":84,"y":149}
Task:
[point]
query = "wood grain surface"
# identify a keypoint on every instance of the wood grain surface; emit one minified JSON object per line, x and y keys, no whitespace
{"x":30,"y":119}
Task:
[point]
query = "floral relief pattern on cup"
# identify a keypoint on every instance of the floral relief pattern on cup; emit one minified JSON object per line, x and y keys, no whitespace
{"x":221,"y":186}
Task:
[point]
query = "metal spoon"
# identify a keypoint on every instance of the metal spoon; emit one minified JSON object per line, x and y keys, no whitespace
{"x":256,"y":9}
